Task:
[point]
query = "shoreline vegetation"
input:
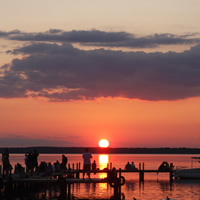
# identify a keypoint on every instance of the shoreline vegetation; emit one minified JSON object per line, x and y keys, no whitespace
{"x":98,"y":150}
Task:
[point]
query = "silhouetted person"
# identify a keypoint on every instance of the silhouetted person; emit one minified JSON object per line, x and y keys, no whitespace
{"x":42,"y":167}
{"x":35,"y":159}
{"x":164,"y":166}
{"x":19,"y":169}
{"x":94,"y":166}
{"x":112,"y":174}
{"x":64,"y":162}
{"x":133,"y":166}
{"x":6,"y":163}
{"x":26,"y":162}
{"x":49,"y":169}
{"x":57,"y":166}
{"x":128,"y":167}
{"x":29,"y":161}
{"x":86,"y":162}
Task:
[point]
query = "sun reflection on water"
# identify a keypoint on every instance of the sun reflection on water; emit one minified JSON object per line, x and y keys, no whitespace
{"x":103,"y":163}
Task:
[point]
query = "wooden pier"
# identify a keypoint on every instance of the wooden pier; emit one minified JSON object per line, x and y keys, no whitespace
{"x":72,"y":176}
{"x":20,"y":182}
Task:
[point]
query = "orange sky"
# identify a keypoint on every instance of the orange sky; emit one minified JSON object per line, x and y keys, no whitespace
{"x":125,"y":123}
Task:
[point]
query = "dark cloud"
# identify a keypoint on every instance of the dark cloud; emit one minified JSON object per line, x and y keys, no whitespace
{"x":101,"y":38}
{"x":10,"y":33}
{"x":64,"y":73}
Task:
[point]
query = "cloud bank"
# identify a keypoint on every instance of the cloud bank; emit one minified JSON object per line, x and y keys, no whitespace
{"x":102,"y":38}
{"x":64,"y":73}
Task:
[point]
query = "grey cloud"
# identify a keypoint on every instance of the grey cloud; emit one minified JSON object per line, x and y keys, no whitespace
{"x":102,"y":38}
{"x":10,"y":33}
{"x":65,"y":73}
{"x":37,"y":48}
{"x":150,"y":41}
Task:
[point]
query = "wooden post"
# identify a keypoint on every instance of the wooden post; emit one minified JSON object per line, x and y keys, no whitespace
{"x":69,"y":191}
{"x":110,"y":166}
{"x":77,"y":171}
{"x":171,"y":172}
{"x":63,"y":188}
{"x":141,"y":172}
{"x":116,"y":187}
{"x":9,"y":187}
{"x":73,"y":170}
{"x":141,"y":176}
{"x":119,"y":186}
{"x":15,"y":187}
{"x":171,"y":176}
{"x":116,"y":192}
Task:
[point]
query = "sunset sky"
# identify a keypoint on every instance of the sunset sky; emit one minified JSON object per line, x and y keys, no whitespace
{"x":75,"y":71}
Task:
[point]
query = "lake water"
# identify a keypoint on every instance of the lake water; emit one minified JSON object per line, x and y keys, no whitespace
{"x":155,"y":186}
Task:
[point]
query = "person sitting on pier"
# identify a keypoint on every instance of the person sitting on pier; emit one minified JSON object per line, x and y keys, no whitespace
{"x":19,"y":169}
{"x":42,"y":167}
{"x":94,"y":166}
{"x":112,"y":175}
{"x":133,"y":167}
{"x":164,"y":166}
{"x":86,"y":162}
{"x":49,"y":169}
{"x":57,"y":166}
{"x":128,"y":167}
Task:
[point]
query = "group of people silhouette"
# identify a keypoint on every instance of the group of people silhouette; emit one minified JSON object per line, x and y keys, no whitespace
{"x":49,"y":168}
{"x":32,"y":167}
{"x":31,"y":161}
{"x":31,"y":164}
{"x":130,"y":167}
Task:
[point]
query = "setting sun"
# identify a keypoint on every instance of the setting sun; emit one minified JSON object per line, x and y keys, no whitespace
{"x":103,"y":143}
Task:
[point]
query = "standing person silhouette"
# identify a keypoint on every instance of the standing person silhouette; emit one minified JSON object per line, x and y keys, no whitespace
{"x":6,"y":163}
{"x":64,"y":162}
{"x":86,"y":162}
{"x":35,"y":159}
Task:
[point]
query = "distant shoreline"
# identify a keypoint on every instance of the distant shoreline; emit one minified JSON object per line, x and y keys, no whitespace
{"x":97,"y":150}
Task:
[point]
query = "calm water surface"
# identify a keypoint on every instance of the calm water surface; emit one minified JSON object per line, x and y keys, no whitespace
{"x":155,"y":186}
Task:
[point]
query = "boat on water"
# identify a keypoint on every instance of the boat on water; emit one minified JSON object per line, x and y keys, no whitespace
{"x":188,"y":173}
